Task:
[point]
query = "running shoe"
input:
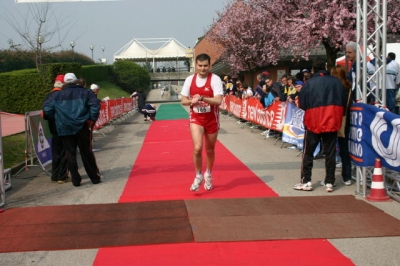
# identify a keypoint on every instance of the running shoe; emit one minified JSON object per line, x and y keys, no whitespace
{"x":347,"y":183}
{"x":323,"y":183}
{"x":306,"y":187}
{"x":196,"y":183}
{"x":329,"y":187}
{"x":208,"y":181}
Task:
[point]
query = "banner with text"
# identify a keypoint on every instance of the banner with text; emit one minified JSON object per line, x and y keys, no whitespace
{"x":251,"y":110}
{"x":374,"y":133}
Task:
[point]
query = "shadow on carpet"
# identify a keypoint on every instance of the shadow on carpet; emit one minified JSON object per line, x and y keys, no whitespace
{"x":273,"y":218}
{"x":94,"y":226}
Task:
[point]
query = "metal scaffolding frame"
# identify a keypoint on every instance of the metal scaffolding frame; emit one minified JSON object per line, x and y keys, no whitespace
{"x":372,"y":44}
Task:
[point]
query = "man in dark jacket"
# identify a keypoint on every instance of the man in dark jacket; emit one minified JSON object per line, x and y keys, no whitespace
{"x":75,"y":109}
{"x":323,"y":99}
{"x":59,"y":166}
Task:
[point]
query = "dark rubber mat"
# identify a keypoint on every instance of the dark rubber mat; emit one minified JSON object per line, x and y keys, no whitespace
{"x":288,"y":218}
{"x":94,"y":226}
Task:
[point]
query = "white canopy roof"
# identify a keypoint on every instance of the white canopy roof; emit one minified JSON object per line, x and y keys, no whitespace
{"x":169,"y":49}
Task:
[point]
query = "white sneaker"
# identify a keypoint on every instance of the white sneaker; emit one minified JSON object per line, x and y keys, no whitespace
{"x":196,"y":183}
{"x":323,"y":183}
{"x":306,"y":187}
{"x":347,"y":183}
{"x":265,"y":133}
{"x":329,"y":187}
{"x":339,"y":165}
{"x":208,"y":181}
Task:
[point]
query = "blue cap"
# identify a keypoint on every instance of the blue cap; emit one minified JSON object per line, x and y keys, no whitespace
{"x":299,"y":83}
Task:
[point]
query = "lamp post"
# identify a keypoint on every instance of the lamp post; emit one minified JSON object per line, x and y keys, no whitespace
{"x":40,"y":42}
{"x":73,"y":53}
{"x":103,"y":48}
{"x":91,"y":48}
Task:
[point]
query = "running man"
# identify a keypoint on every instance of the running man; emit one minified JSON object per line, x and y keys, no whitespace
{"x":203,"y":93}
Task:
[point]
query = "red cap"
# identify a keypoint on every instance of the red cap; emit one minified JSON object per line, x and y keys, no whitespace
{"x":60,"y":78}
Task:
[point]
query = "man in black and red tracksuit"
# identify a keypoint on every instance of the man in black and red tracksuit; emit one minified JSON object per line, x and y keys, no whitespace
{"x":323,"y":99}
{"x":59,"y":166}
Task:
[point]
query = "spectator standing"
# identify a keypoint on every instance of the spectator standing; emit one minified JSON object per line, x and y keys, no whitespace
{"x":75,"y":109}
{"x":297,"y":87}
{"x":95,"y":89}
{"x":239,"y":89}
{"x":59,"y":166}
{"x":289,"y":89}
{"x":306,"y":75}
{"x":269,"y":98}
{"x":248,"y":91}
{"x":351,"y":55}
{"x":323,"y":100}
{"x":392,"y":81}
{"x":340,"y":73}
{"x":141,"y":99}
{"x":203,"y":93}
{"x":81,"y":82}
{"x":228,"y":85}
{"x":134,"y":97}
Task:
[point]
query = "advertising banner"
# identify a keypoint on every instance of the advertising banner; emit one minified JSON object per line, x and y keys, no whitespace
{"x":127,"y":104}
{"x":103,"y":116}
{"x":293,"y":128}
{"x":41,"y":137}
{"x":374,"y":133}
{"x":252,"y":110}
{"x":115,"y":108}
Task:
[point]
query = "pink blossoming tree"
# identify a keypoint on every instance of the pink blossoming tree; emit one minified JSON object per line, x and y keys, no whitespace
{"x":256,"y":33}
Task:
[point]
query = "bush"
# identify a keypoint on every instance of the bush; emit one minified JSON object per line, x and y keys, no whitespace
{"x":131,"y":76}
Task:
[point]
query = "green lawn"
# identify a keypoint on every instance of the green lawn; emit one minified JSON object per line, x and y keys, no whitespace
{"x":13,"y":150}
{"x":111,"y":90}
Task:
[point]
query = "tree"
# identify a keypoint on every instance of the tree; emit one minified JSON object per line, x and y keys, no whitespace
{"x":244,"y":37}
{"x":37,"y":28}
{"x":295,"y":27}
{"x":130,"y":76}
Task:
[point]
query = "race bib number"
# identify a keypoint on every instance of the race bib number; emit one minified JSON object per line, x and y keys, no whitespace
{"x":202,"y":108}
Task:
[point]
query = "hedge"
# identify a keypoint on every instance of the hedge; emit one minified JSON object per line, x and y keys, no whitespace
{"x":24,"y":90}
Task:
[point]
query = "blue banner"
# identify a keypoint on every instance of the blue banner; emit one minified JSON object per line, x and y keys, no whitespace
{"x":41,"y":137}
{"x":374,"y":133}
{"x":293,"y":128}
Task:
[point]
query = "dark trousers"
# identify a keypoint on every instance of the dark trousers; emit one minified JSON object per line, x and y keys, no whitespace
{"x":311,"y":141}
{"x":148,"y":113}
{"x":345,"y":157}
{"x":59,"y":165}
{"x":82,"y":139}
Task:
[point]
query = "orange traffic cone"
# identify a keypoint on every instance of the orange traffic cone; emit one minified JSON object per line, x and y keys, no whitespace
{"x":378,"y":191}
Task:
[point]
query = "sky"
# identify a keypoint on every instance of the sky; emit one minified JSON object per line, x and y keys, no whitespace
{"x":112,"y":24}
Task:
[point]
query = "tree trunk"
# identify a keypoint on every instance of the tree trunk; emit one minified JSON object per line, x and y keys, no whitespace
{"x":331,"y":55}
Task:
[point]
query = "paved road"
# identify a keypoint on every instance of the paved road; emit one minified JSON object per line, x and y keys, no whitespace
{"x":277,"y":167}
{"x":11,"y":124}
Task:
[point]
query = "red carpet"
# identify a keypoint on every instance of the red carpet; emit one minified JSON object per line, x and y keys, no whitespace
{"x":164,"y":171}
{"x":257,"y":253}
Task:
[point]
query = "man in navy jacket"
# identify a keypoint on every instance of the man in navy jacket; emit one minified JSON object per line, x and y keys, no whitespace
{"x":75,"y":109}
{"x":323,"y":99}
